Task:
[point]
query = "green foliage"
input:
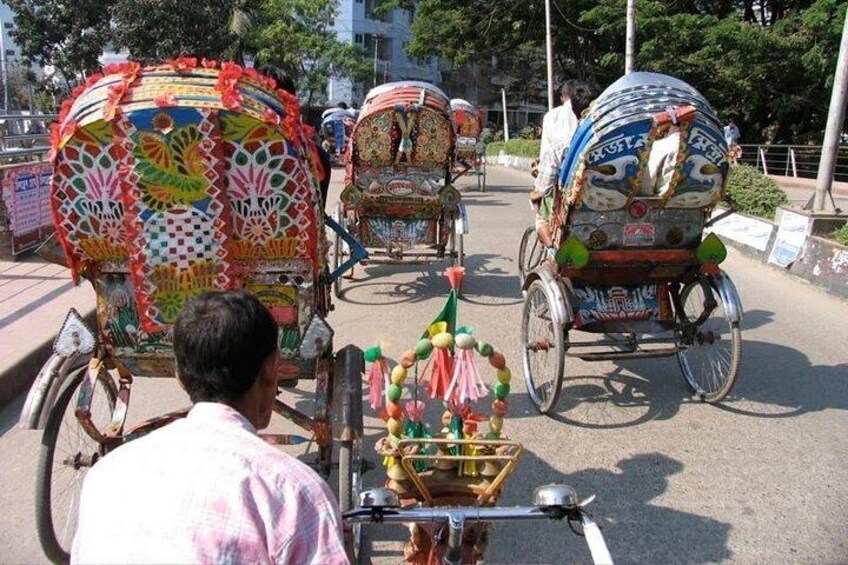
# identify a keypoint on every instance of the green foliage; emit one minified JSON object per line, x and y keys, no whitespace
{"x":530,"y":132}
{"x":69,"y":36}
{"x":753,"y":192}
{"x":762,"y":62}
{"x":297,"y":35}
{"x":840,"y":236}
{"x":518,"y":147}
{"x":155,"y":30}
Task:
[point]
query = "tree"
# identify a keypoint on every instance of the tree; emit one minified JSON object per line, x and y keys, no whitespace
{"x":297,"y":35}
{"x":68,"y":36}
{"x":156,"y":30}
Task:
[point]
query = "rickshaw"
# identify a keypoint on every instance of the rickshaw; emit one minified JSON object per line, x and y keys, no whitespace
{"x":470,"y":150}
{"x":644,"y":171}
{"x":336,"y":126}
{"x":170,"y":181}
{"x":398,"y":201}
{"x":444,"y":482}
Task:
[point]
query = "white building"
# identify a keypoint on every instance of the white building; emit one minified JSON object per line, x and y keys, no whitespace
{"x":357,"y":23}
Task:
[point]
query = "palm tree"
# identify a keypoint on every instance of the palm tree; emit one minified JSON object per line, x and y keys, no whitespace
{"x":243,"y":21}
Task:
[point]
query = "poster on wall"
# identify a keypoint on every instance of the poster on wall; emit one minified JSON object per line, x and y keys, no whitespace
{"x":26,"y":197}
{"x":792,"y":232}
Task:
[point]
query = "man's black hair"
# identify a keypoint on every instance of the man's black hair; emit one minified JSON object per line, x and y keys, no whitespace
{"x":281,"y":77}
{"x":342,"y":105}
{"x":581,"y":97}
{"x":221,"y":340}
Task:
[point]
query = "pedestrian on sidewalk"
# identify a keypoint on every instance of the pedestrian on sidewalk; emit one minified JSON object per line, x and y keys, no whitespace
{"x":207,"y":488}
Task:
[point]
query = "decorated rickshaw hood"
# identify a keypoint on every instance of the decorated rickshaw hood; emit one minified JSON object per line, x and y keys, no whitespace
{"x":607,"y":163}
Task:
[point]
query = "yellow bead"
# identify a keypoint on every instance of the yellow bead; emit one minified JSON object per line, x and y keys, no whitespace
{"x":496,"y":424}
{"x":442,"y":340}
{"x":504,"y":376}
{"x":395,"y":427}
{"x":398,"y":375}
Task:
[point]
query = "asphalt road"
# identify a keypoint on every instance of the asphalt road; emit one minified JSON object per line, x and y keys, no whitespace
{"x":759,"y":479}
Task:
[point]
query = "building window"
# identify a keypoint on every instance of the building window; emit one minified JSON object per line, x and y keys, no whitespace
{"x":359,"y":1}
{"x":357,"y":38}
{"x":8,"y":25}
{"x":10,"y":52}
{"x":370,"y":8}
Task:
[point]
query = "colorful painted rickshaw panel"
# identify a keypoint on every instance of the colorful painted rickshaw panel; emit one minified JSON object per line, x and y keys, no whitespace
{"x":629,"y":146}
{"x":173,"y":180}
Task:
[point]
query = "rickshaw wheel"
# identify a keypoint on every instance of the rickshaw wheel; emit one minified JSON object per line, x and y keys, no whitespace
{"x":543,"y":342}
{"x":347,"y":400}
{"x":530,"y":254}
{"x":67,"y":452}
{"x":710,"y":363}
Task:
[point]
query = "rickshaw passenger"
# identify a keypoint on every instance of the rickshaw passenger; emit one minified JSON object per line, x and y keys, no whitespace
{"x":661,"y":163}
{"x":207,"y":488}
{"x":558,"y":127}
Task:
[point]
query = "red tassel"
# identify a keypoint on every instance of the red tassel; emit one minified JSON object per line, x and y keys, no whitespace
{"x":377,"y":377}
{"x":440,"y":377}
{"x":455,"y":275}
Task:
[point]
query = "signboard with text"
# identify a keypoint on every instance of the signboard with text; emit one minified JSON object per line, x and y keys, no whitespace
{"x":26,"y":198}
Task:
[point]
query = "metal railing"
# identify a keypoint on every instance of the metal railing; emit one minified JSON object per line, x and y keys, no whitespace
{"x":24,"y":136}
{"x":799,"y":161}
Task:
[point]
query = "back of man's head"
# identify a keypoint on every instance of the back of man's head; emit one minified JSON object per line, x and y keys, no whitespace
{"x":221,"y":340}
{"x":581,"y":97}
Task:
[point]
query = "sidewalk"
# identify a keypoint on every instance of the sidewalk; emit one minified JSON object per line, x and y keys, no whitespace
{"x":35,"y":297}
{"x":839,"y":189}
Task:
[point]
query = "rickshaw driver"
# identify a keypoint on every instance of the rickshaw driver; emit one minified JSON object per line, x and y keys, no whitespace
{"x":558,"y":127}
{"x":207,"y":488}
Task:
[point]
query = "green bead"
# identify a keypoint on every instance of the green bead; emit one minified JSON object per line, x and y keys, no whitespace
{"x":373,"y":353}
{"x":423,"y":349}
{"x":501,"y":391}
{"x":394,"y":393}
{"x":485,"y":349}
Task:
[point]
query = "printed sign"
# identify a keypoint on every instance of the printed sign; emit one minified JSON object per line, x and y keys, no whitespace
{"x":617,"y":303}
{"x":26,"y":197}
{"x":791,"y":236}
{"x":639,"y":234}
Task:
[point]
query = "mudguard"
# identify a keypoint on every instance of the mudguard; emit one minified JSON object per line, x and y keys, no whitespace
{"x":72,"y":348}
{"x":461,"y":223}
{"x":729,"y":296}
{"x":563,"y":312}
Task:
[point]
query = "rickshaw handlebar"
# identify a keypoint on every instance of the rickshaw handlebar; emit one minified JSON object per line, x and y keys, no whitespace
{"x":456,"y":516}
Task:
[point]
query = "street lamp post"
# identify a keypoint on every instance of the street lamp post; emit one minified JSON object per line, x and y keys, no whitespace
{"x":835,"y":119}
{"x":376,"y":39}
{"x":630,"y":47}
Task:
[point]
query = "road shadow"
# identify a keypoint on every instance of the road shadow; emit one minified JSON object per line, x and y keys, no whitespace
{"x":635,"y":529}
{"x":373,"y":285}
{"x":10,"y":414}
{"x":486,"y":284}
{"x":774,"y":381}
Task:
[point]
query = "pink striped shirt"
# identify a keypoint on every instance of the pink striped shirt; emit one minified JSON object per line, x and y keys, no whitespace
{"x":206,"y":489}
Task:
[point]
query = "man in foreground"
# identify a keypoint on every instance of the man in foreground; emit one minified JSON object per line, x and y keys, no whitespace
{"x":207,"y":489}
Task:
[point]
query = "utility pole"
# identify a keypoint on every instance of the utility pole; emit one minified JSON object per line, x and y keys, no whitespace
{"x":549,"y":54}
{"x":835,"y":119}
{"x":630,"y":48}
{"x":3,"y":67}
{"x":506,"y":122}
